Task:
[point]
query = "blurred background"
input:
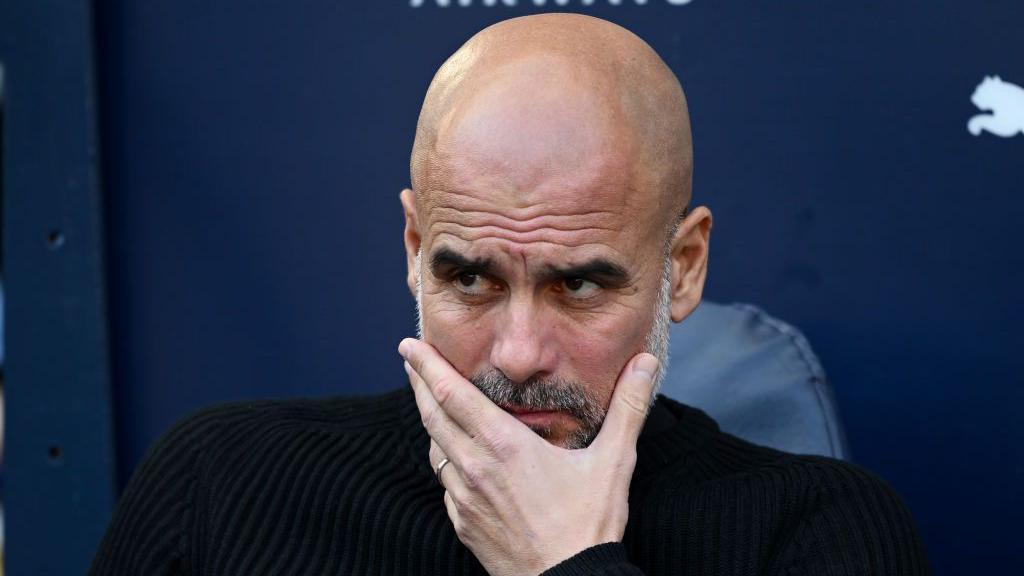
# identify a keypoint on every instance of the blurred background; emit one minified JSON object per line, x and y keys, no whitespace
{"x":200,"y":204}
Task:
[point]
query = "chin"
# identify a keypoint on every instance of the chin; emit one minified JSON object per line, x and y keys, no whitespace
{"x":569,"y":440}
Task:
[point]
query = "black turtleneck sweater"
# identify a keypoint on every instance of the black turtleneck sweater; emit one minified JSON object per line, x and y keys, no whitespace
{"x":343,"y":486}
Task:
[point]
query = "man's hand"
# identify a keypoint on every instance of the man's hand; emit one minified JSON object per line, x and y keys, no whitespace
{"x":519,"y":503}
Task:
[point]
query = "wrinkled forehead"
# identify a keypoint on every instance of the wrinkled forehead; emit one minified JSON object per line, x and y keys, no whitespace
{"x":545,"y":234}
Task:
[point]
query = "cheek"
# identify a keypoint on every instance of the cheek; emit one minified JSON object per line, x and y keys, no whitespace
{"x":461,"y":334}
{"x":598,"y":349}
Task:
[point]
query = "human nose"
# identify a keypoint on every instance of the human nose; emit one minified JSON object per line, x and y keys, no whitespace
{"x":521,"y":349}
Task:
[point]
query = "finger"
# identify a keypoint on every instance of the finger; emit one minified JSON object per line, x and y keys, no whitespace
{"x":453,"y":511}
{"x":441,"y":429}
{"x":436,"y":454}
{"x":450,"y":476}
{"x":461,"y":400}
{"x":437,"y":457}
{"x":630,"y":402}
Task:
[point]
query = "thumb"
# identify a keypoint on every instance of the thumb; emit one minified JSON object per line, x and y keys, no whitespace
{"x":630,"y":402}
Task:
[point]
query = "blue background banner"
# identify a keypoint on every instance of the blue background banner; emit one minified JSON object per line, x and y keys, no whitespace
{"x":253,"y":153}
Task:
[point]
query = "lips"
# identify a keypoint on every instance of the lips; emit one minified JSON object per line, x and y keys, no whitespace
{"x":533,"y":416}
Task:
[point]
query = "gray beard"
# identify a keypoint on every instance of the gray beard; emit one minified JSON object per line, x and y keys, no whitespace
{"x":571,"y":397}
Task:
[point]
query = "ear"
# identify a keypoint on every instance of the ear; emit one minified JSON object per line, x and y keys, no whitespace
{"x":411,"y":236}
{"x":689,"y":254}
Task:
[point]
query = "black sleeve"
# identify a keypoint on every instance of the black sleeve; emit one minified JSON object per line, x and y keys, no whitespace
{"x":601,"y":560}
{"x":149,"y":531}
{"x":859,"y":525}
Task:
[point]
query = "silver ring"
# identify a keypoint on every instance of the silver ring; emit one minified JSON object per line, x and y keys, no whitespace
{"x":437,"y":471}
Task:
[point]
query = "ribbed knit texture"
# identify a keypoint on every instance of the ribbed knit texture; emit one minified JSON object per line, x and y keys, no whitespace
{"x":343,"y":486}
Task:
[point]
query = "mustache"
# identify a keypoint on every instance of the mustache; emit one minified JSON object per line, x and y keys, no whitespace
{"x":550,"y":393}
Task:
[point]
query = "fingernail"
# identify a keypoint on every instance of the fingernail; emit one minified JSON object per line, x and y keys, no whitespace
{"x":645,"y":366}
{"x":403,"y":347}
{"x":408,"y":368}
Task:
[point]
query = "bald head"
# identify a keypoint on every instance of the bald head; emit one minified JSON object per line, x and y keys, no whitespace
{"x":544,"y":92}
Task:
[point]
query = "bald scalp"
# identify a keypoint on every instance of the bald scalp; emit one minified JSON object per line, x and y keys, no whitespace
{"x":622,"y":86}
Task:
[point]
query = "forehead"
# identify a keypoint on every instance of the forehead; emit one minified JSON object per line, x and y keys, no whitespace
{"x":534,"y":165}
{"x":559,"y":214}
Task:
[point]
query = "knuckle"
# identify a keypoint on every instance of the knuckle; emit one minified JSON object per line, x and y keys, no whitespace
{"x":635,"y":402}
{"x":469,"y":513}
{"x":460,"y":530}
{"x":473,"y":474}
{"x":444,"y":390}
{"x":456,"y":502}
{"x":500,"y":445}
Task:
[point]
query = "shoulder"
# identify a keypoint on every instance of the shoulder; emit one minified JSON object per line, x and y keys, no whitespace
{"x":847,"y":489}
{"x":712,"y":456}
{"x":210,"y":427}
{"x":851,"y":518}
{"x":829,"y":513}
{"x":216,"y":455}
{"x":729,"y":469}
{"x":816,"y":477}
{"x":806,"y":514}
{"x":806,"y":478}
{"x":212,"y":437}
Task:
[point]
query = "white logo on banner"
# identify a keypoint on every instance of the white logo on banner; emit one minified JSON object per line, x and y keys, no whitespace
{"x":1005,"y":101}
{"x":464,"y":3}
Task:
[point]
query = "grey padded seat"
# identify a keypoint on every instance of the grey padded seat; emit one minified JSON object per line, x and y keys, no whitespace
{"x":757,"y":376}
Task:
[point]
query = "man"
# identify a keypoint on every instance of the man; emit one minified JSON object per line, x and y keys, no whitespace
{"x":549,"y":241}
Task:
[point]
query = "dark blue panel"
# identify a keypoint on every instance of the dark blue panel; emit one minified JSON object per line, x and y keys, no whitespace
{"x":59,"y":486}
{"x":256,"y":151}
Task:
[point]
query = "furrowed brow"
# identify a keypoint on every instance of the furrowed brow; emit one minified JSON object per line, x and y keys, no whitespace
{"x":444,"y":260}
{"x":599,"y":269}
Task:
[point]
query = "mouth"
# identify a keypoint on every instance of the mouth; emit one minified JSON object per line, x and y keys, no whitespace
{"x":534,"y":417}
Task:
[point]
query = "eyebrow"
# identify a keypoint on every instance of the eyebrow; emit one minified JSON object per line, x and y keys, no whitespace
{"x":605,"y":271}
{"x":445,"y":260}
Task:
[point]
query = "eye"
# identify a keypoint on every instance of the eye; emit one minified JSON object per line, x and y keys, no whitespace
{"x":580,"y":288}
{"x":469,"y":283}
